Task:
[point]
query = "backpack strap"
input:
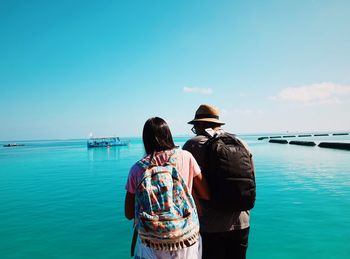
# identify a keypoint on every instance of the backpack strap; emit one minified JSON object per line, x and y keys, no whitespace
{"x":133,"y":242}
{"x":217,"y":136}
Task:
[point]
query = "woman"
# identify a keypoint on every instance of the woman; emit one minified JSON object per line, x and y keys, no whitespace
{"x":161,"y":151}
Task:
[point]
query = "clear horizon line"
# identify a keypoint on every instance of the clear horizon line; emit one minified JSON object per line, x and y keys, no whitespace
{"x":189,"y":135}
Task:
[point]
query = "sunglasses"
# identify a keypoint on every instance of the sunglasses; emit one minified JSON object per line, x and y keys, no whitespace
{"x":193,"y":129}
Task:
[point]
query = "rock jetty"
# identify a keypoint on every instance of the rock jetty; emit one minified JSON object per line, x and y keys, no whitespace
{"x":335,"y":145}
{"x":279,"y":141}
{"x":302,"y":143}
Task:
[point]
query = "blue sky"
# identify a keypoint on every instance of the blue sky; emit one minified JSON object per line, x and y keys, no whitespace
{"x":68,"y":68}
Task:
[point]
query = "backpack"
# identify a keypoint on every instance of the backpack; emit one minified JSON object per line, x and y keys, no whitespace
{"x":230,"y":173}
{"x":165,"y":212}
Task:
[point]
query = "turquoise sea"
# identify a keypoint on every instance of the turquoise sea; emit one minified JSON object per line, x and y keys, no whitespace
{"x":59,"y":199}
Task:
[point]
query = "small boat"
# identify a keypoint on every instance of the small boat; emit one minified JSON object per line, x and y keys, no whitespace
{"x":106,"y":142}
{"x":13,"y":145}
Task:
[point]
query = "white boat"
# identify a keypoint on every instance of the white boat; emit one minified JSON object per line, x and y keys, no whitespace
{"x":13,"y":145}
{"x":106,"y":142}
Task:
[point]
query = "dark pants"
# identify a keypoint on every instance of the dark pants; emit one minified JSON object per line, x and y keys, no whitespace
{"x":228,"y":245}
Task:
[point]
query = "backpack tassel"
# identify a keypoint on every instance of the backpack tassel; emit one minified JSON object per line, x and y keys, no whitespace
{"x":171,"y":246}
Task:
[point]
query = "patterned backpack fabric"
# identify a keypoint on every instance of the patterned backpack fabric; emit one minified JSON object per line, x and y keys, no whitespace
{"x":165,"y":212}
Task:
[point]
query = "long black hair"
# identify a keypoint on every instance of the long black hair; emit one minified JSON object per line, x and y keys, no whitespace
{"x":156,"y":136}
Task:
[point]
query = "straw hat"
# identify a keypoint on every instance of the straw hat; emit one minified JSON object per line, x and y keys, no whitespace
{"x":207,"y":113}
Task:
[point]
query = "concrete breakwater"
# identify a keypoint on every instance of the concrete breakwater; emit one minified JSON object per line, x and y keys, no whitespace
{"x":261,"y":138}
{"x":335,"y":145}
{"x":340,"y":134}
{"x":304,"y":135}
{"x":303,"y":143}
{"x":279,"y":141}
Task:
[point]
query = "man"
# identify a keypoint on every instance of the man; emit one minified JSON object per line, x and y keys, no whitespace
{"x":224,"y":232}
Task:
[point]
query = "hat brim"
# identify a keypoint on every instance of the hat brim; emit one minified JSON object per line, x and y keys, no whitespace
{"x":213,"y":120}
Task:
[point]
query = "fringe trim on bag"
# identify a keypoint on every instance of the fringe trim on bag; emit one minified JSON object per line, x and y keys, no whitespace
{"x":170,"y":245}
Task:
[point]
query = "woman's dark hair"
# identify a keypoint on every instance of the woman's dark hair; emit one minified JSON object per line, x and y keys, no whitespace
{"x":156,"y":135}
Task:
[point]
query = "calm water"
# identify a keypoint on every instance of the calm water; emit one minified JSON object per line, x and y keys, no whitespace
{"x":60,"y":200}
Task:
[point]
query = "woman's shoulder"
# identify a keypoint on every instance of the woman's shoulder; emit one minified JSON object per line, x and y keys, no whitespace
{"x":183,"y":152}
{"x":138,"y":165}
{"x":186,"y":155}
